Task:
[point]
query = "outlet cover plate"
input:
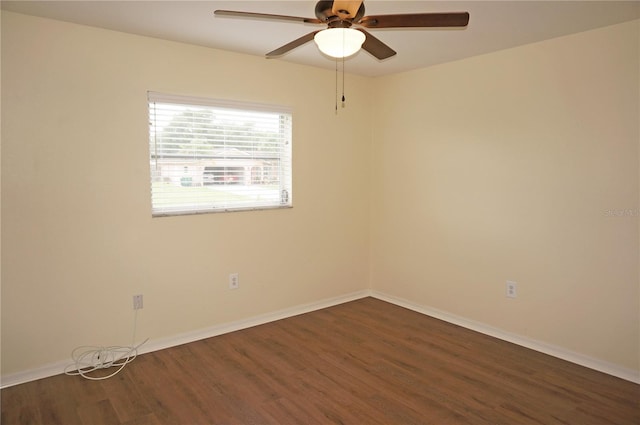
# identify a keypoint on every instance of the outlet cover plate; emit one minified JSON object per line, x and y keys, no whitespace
{"x":137,"y":302}
{"x":234,"y":282}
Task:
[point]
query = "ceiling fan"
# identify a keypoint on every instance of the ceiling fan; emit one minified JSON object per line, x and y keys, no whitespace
{"x":339,"y":40}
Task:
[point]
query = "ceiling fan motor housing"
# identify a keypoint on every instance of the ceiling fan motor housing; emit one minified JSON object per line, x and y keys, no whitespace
{"x":325,"y":13}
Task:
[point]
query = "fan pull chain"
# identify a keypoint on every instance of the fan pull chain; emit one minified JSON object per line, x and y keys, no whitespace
{"x":343,"y":98}
{"x":343,"y":48}
{"x":336,"y":98}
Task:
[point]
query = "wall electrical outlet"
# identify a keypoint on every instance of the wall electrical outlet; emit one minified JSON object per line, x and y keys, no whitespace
{"x":137,"y":302}
{"x":234,"y":282}
{"x":512,"y":289}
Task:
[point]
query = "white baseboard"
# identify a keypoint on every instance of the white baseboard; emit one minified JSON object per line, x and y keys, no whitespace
{"x":45,"y":371}
{"x":559,"y":352}
{"x":188,"y":337}
{"x":155,"y":345}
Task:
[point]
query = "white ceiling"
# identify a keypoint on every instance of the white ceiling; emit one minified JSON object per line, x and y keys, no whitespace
{"x":493,"y":25}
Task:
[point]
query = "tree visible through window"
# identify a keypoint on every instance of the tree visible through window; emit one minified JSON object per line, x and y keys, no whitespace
{"x":208,"y":155}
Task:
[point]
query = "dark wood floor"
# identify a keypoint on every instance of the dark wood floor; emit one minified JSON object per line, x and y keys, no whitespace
{"x":363,"y":362}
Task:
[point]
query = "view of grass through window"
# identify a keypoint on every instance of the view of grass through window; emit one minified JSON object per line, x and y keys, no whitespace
{"x":210,"y":156}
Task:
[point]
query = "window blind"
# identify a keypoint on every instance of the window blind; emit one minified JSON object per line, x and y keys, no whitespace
{"x":210,"y":155}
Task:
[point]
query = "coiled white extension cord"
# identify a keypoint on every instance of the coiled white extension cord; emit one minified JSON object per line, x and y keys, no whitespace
{"x":88,"y":359}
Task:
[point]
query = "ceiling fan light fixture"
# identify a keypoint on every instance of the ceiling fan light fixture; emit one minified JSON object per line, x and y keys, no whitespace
{"x":339,"y":42}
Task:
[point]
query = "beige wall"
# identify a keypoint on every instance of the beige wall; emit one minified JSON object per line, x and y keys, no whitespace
{"x":497,"y":167}
{"x":78,"y":238}
{"x":514,"y":166}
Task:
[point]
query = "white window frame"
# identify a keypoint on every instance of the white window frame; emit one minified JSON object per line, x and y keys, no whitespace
{"x":212,"y":155}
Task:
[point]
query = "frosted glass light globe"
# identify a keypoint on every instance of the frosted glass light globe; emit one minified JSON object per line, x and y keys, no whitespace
{"x":339,"y":42}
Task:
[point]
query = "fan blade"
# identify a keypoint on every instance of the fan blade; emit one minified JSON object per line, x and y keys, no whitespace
{"x":345,"y":9}
{"x":376,"y":47}
{"x":266,"y":16}
{"x":290,"y":46}
{"x":455,"y":19}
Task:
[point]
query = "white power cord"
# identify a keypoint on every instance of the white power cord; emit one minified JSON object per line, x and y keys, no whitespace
{"x":88,"y":359}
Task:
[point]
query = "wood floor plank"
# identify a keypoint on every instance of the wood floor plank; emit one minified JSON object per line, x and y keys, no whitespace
{"x":282,"y":410}
{"x":24,"y":415}
{"x":129,"y":404}
{"x":97,"y":413}
{"x":150,"y":419}
{"x":366,"y":361}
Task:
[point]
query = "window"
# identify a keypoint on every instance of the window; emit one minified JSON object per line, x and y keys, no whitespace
{"x":210,"y":156}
